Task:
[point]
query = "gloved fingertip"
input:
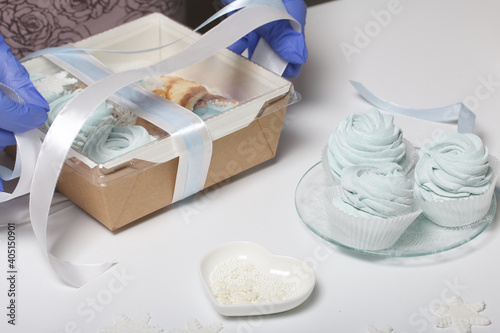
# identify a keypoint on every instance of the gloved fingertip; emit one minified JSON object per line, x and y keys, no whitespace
{"x":39,"y":115}
{"x":7,"y":138}
{"x":292,"y":71}
{"x":291,"y":47}
{"x":300,"y":54}
{"x":42,"y":103}
{"x":20,"y":118}
{"x":31,"y":95}
{"x":39,"y":100}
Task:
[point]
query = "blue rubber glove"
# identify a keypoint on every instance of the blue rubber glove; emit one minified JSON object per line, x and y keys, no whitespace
{"x":16,"y":117}
{"x":287,"y":43}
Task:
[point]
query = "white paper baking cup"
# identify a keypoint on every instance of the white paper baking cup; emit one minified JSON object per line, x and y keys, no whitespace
{"x":460,"y":212}
{"x":326,"y":165}
{"x":368,"y":233}
{"x":334,"y":189}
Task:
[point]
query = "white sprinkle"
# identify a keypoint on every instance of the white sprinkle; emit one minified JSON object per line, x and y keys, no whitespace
{"x":240,"y":282}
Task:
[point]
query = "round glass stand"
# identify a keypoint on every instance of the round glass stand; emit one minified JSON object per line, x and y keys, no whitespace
{"x":422,"y":237}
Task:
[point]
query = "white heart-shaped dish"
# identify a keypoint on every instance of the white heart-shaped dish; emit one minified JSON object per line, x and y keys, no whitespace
{"x":265,"y":262}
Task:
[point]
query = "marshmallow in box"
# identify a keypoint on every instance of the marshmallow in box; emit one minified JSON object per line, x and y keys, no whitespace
{"x":136,"y":183}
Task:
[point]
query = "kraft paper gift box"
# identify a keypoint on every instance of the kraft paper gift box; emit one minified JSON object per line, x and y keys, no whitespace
{"x":140,"y":182}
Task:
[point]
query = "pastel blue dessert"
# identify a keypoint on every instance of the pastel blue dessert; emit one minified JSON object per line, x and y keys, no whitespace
{"x":111,"y":141}
{"x":452,"y":166}
{"x":212,"y":105}
{"x":366,"y":138}
{"x":102,"y":115}
{"x":55,"y":86}
{"x":102,"y":136}
{"x":380,"y":190}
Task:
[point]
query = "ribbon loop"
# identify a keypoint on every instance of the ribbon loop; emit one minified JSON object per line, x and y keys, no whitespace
{"x":188,"y":132}
{"x":193,"y":136}
{"x":263,"y":54}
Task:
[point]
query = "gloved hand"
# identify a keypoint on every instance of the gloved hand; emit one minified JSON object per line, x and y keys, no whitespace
{"x":288,"y":43}
{"x":16,"y":117}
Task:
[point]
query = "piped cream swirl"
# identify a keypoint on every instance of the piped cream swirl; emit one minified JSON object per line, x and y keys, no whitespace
{"x":381,"y":190}
{"x":366,"y":138}
{"x":110,"y":141}
{"x":101,"y":116}
{"x":452,"y":166}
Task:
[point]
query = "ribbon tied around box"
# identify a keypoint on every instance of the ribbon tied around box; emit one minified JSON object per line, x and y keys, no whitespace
{"x":41,"y":162}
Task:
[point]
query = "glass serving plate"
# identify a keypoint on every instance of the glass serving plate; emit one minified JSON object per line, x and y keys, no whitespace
{"x":422,"y":237}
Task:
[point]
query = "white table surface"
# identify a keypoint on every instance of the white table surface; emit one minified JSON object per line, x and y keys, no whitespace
{"x":428,"y":54}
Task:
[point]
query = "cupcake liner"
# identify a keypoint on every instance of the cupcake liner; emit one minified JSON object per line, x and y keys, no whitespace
{"x":460,"y":212}
{"x":334,"y":189}
{"x":367,"y":233}
{"x":326,"y":165}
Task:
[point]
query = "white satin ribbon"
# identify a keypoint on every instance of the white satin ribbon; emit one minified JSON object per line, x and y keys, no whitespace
{"x":188,"y":132}
{"x":28,"y":147}
{"x":69,"y":121}
{"x":14,"y":206}
{"x":458,"y":112}
{"x":5,"y":173}
{"x":263,"y":54}
{"x":17,"y":210}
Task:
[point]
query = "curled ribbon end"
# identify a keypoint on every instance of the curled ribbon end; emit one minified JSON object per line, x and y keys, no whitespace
{"x":77,"y":275}
{"x":458,"y":112}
